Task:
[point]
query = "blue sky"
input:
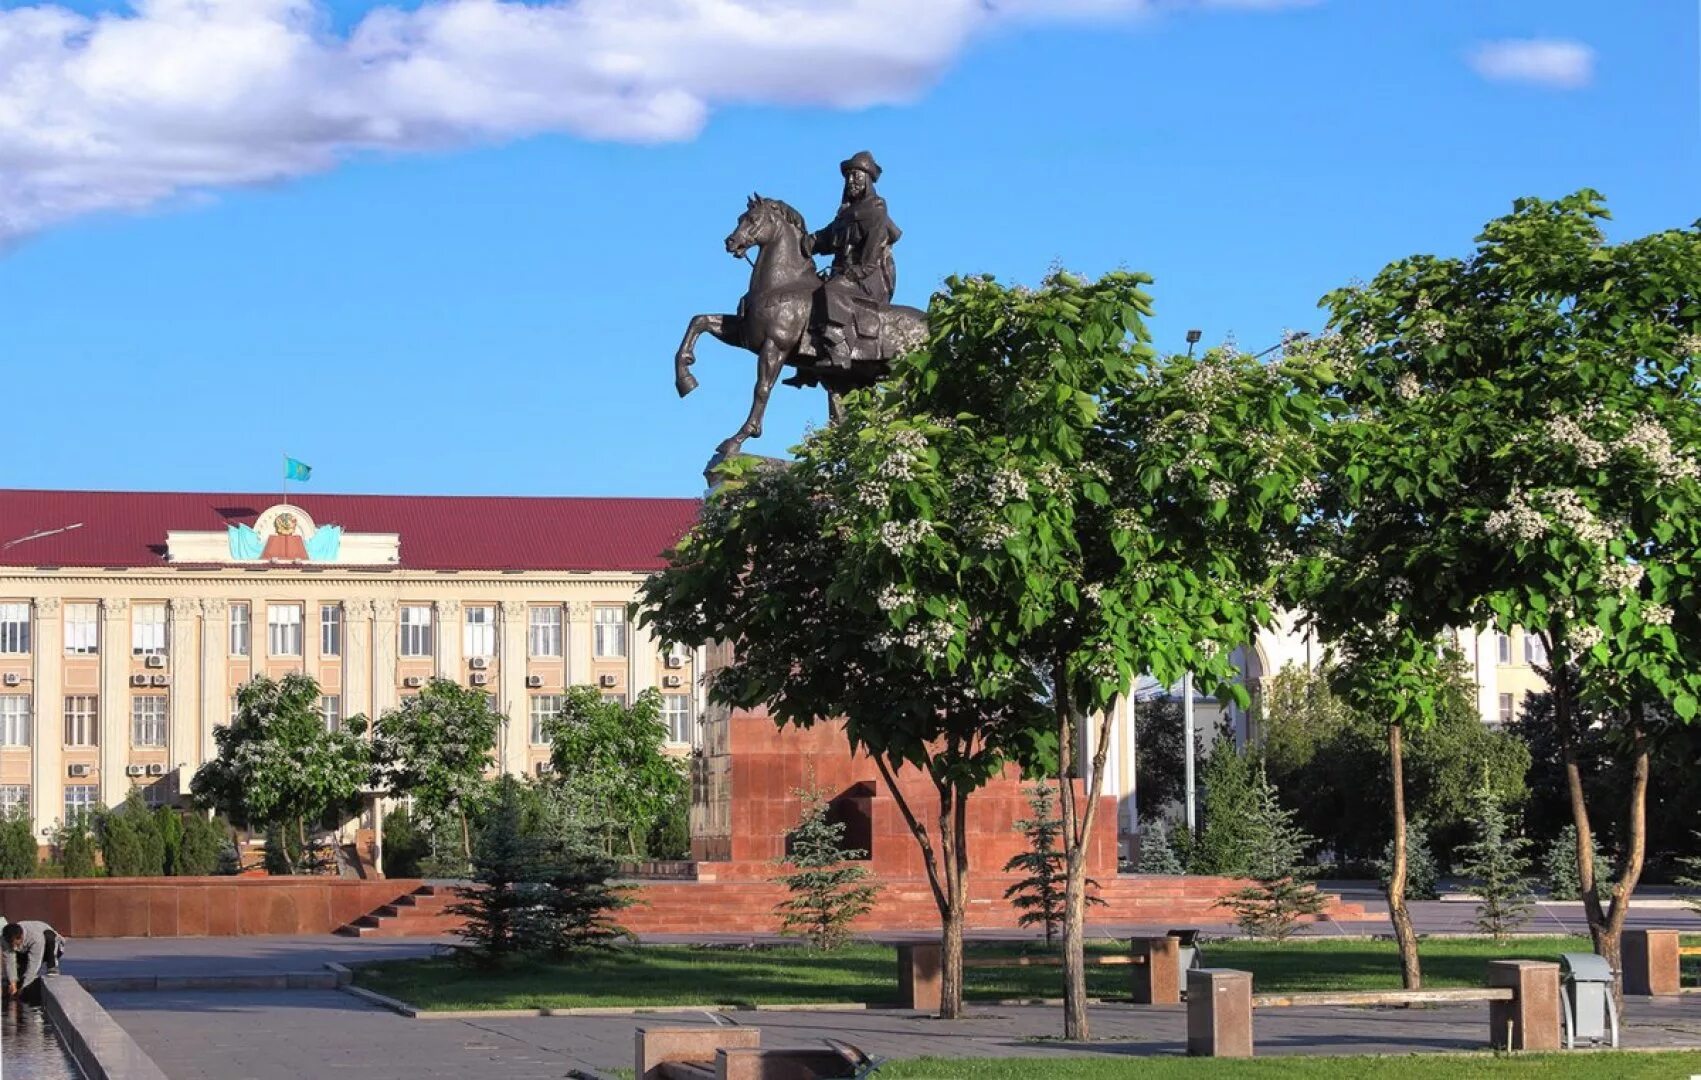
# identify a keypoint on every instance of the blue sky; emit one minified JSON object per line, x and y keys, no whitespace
{"x":492,"y":306}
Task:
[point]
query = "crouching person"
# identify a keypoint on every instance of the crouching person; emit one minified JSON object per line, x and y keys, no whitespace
{"x":29,"y":950}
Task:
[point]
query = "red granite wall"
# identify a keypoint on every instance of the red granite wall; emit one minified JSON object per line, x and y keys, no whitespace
{"x":197,"y":907}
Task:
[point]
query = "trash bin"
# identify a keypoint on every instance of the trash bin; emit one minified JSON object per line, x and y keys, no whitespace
{"x":1588,"y":1009}
{"x":1188,"y":950}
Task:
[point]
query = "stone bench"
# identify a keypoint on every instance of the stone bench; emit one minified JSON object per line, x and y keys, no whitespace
{"x":1653,"y":962}
{"x":736,"y":1053}
{"x":1154,"y":965}
{"x":1523,"y":997}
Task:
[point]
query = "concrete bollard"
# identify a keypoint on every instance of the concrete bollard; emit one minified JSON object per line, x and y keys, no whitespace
{"x":1531,"y":1020}
{"x":1155,"y":975}
{"x":919,"y":976}
{"x":1219,"y":1013}
{"x":1651,"y":962}
{"x":661,"y":1046}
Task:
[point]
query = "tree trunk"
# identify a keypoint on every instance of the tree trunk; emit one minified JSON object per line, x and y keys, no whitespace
{"x":945,"y":883}
{"x":1411,"y":976}
{"x":1077,"y":833}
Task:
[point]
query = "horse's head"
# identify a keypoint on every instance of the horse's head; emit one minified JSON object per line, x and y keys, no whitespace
{"x":763,"y":222}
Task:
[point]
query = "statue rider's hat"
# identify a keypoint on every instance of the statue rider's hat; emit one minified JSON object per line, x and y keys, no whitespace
{"x":863,"y":160}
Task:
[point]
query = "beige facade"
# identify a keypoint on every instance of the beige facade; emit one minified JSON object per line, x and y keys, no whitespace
{"x":114,"y":679}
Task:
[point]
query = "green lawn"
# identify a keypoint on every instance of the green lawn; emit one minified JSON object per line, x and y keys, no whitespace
{"x":688,"y":975}
{"x":1581,"y":1066}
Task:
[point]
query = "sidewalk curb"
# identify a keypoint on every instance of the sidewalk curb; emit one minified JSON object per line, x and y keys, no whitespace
{"x":101,"y":1048}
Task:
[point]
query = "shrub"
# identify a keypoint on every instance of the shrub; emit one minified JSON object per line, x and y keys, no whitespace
{"x":406,"y":845}
{"x":202,"y":848}
{"x":1228,"y":845}
{"x":169,"y":826}
{"x":130,"y":841}
{"x":1421,"y":871}
{"x":1156,"y":854}
{"x":1559,"y":865}
{"x":1497,"y":860}
{"x":19,"y":856}
{"x":828,"y":892}
{"x":1281,"y":895}
{"x":74,"y":846}
{"x":670,"y":836}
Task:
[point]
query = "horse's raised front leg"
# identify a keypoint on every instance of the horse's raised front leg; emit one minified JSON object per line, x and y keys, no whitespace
{"x":724,"y":327}
{"x":769,"y":363}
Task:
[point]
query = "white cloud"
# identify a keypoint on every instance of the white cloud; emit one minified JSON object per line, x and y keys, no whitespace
{"x":173,"y":97}
{"x":1549,"y":62}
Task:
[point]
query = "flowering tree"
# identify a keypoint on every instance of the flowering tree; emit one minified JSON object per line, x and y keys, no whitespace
{"x":1524,"y":452}
{"x":277,"y":765}
{"x":439,"y":746}
{"x":608,"y":759}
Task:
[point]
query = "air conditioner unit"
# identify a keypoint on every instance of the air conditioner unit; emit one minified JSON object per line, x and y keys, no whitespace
{"x":413,"y":682}
{"x":156,"y":661}
{"x":133,"y":770}
{"x":76,"y":770}
{"x":606,"y":680}
{"x":479,"y":678}
{"x":543,"y":768}
{"x":138,"y":680}
{"x":674,"y":660}
{"x":534,"y":681}
{"x":13,"y":678}
{"x":479,"y":663}
{"x":162,"y":680}
{"x":156,"y":769}
{"x":670,"y":680}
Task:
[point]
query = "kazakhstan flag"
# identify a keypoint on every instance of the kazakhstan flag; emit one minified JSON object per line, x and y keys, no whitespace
{"x":297,"y":470}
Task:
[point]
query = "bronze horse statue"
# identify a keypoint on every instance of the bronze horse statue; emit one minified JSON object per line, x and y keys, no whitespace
{"x":777,"y":321}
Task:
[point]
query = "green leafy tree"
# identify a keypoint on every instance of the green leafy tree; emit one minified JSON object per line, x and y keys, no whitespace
{"x":1281,"y":896}
{"x":1228,"y":843}
{"x":278,"y":769}
{"x":406,"y":845}
{"x":1523,"y":426}
{"x":608,"y":755}
{"x":1039,"y":896}
{"x":130,"y":841}
{"x":1421,"y":871}
{"x":502,"y":912}
{"x":829,"y":891}
{"x":74,"y":847}
{"x":203,"y":842}
{"x":1157,"y":856}
{"x":1559,"y":865}
{"x":1497,"y":861}
{"x":670,"y":836}
{"x":19,"y":855}
{"x":439,"y":747}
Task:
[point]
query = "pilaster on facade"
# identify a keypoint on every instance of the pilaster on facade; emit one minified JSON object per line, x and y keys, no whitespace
{"x":214,"y":693}
{"x":447,"y":620}
{"x":114,"y":705}
{"x":357,"y":658}
{"x":643,"y":654}
{"x":512,"y":698}
{"x":182,"y":725}
{"x":47,"y":769}
{"x":385,"y":670}
{"x":580,"y":631}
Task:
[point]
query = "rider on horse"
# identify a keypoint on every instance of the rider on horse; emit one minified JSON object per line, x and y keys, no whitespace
{"x":863,"y":275}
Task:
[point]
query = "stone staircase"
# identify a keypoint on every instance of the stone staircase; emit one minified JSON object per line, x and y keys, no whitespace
{"x":422,"y":913}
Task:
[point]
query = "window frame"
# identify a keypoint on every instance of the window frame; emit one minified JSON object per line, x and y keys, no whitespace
{"x":1502,"y":647}
{"x":147,"y":721}
{"x":1535,"y":649}
{"x":11,"y":799}
{"x":92,"y":624}
{"x":482,"y":629}
{"x":141,"y":631}
{"x":15,"y":712}
{"x":85,"y":806}
{"x":278,"y":632}
{"x":331,"y":711}
{"x":551,"y":633}
{"x":330,"y":630}
{"x":86,"y":718}
{"x":600,"y":627}
{"x":535,"y":734}
{"x":244,"y":623}
{"x":15,"y":627}
{"x":1508,"y":708}
{"x":668,"y":715}
{"x":417,"y":640}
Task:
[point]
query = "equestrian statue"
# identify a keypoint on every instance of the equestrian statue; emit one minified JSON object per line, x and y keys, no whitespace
{"x":838,"y":329}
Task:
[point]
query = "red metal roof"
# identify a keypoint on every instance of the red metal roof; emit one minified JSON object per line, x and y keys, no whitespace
{"x":438,"y":532}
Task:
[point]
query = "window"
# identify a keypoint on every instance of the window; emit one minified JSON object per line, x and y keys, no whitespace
{"x":614,"y":699}
{"x":610,"y":628}
{"x":82,"y":629}
{"x":14,"y":798}
{"x":80,"y":800}
{"x":331,"y":708}
{"x":545,"y":636}
{"x":15,"y":720}
{"x":82,"y":720}
{"x":157,"y":794}
{"x":1535,"y":649}
{"x":676,"y":712}
{"x":239,"y":629}
{"x":147,"y":630}
{"x":416,"y":630}
{"x":480,"y":631}
{"x":147,"y":720}
{"x":331,"y":630}
{"x":14,"y":628}
{"x":1506,"y":708}
{"x":283,"y":629}
{"x":1503,"y":648}
{"x":545,"y":707}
